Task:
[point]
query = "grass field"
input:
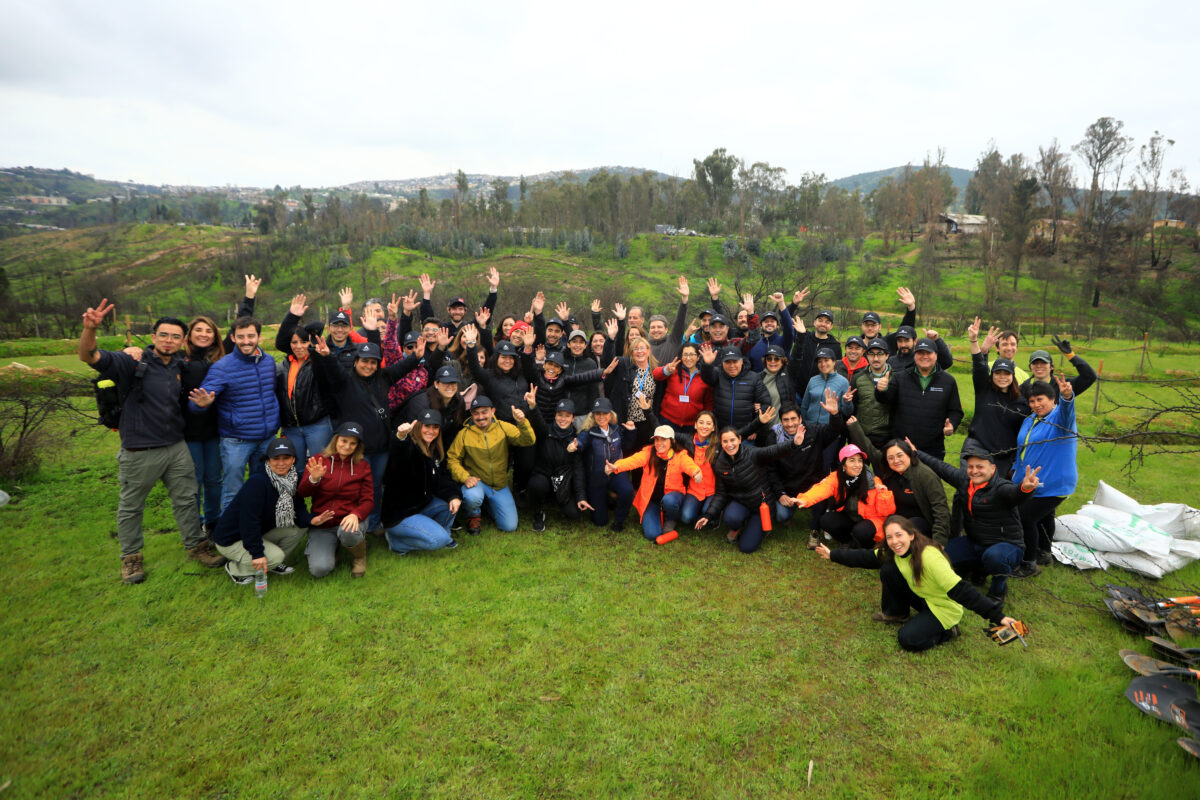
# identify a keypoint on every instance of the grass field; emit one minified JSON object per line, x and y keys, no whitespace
{"x":565,"y":664}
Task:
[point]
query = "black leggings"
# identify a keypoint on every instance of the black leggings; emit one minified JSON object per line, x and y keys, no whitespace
{"x":844,"y":528}
{"x":1037,"y":518}
{"x":539,"y":494}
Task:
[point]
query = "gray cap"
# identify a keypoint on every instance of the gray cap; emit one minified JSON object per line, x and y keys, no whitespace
{"x":1040,"y":355}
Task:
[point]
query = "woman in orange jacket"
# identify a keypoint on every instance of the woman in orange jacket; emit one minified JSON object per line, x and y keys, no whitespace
{"x":704,"y":451}
{"x":660,"y":495}
{"x":860,"y":501}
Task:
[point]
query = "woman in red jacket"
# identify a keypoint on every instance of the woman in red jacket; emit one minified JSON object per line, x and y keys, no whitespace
{"x":339,"y":480}
{"x":660,"y":495}
{"x":860,"y":501}
{"x":685,"y":394}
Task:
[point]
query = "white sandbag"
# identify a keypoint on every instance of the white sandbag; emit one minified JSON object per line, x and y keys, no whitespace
{"x":1078,"y":556}
{"x":1170,"y":517}
{"x":4,"y":498}
{"x":1185,"y":548}
{"x":1191,"y":523}
{"x":1091,"y":534}
{"x":1136,"y":562}
{"x":1139,"y":533}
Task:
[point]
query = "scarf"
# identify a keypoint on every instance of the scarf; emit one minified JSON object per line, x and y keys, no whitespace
{"x":768,"y":379}
{"x":285,"y":506}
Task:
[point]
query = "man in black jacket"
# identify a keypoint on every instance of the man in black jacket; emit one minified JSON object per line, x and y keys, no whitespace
{"x":994,"y":540}
{"x":924,"y":401}
{"x":738,"y":392}
{"x":804,"y":466}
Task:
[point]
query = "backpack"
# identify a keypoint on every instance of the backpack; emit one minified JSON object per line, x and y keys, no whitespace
{"x":110,"y":399}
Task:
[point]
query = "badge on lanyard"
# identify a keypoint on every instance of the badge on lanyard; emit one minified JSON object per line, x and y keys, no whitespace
{"x":683,"y":398}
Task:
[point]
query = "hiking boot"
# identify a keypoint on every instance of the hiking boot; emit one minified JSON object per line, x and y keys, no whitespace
{"x":539,"y":521}
{"x":358,"y":567}
{"x":813,"y":541}
{"x":1045,"y":558}
{"x":879,"y":616}
{"x":204,"y":554}
{"x":474,"y":525}
{"x":131,"y":569}
{"x":1026,"y":569}
{"x":240,"y":580}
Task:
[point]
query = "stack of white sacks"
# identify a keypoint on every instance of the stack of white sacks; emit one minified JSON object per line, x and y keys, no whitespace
{"x":1116,"y":529}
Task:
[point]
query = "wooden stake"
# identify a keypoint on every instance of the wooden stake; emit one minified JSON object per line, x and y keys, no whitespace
{"x":1096,"y":396}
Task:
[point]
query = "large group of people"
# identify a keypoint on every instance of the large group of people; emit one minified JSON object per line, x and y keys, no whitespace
{"x":416,"y":425}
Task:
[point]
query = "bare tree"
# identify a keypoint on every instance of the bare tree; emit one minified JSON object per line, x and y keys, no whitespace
{"x":1055,"y":175}
{"x":1103,"y":150}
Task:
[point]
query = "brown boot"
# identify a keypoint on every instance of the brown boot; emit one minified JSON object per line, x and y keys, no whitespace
{"x":131,"y":568}
{"x":205,"y":554}
{"x":358,"y":567}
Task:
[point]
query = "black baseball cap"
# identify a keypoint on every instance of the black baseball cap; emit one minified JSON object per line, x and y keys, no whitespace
{"x":772,"y":314}
{"x":566,"y":404}
{"x":555,"y":321}
{"x":1004,"y":365}
{"x":411,"y":338}
{"x":602,"y":405}
{"x":731,"y":354}
{"x":556,"y":357}
{"x":349,"y":429}
{"x":430,"y":416}
{"x":870,"y":316}
{"x":856,"y":340}
{"x":925,"y":346}
{"x":824,"y":312}
{"x":877,"y":344}
{"x":905,"y":332}
{"x":973,"y":451}
{"x":506,"y":348}
{"x":368,"y":350}
{"x":708,"y":312}
{"x":280,"y":447}
{"x":482,"y":401}
{"x":719,"y":319}
{"x":775,"y":351}
{"x":825,"y":352}
{"x":458,"y":301}
{"x":339,"y":318}
{"x":446,"y":374}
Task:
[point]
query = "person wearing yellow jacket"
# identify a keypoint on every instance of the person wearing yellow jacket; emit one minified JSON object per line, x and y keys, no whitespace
{"x":478,"y":459}
{"x":860,"y":501}
{"x":660,"y":494}
{"x":915,"y":573}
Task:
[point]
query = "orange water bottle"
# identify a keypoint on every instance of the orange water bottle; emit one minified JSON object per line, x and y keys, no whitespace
{"x":764,"y":515}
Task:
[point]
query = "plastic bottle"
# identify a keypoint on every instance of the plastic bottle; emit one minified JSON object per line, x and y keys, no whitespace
{"x":669,"y":536}
{"x":260,"y":583}
{"x":764,"y":516}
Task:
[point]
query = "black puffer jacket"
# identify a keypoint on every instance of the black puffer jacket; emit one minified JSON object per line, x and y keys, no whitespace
{"x":920,"y":413}
{"x":747,"y":478}
{"x":307,"y":403}
{"x":505,"y":389}
{"x":363,"y":400}
{"x":803,"y":466}
{"x":549,"y":393}
{"x":454,"y":414}
{"x":411,"y":480}
{"x":553,"y":457}
{"x":991,"y":516}
{"x":998,"y":417}
{"x":734,"y":398}
{"x":584,"y":394}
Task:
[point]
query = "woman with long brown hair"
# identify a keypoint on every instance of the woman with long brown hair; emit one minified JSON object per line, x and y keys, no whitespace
{"x":419,"y":497}
{"x":915,"y":574}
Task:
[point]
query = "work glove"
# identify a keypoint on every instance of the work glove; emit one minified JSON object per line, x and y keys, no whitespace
{"x":1062,"y":344}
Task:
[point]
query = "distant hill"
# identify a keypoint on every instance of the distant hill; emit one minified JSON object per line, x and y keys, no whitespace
{"x":75,"y":186}
{"x":866,"y":181}
{"x":440,"y":186}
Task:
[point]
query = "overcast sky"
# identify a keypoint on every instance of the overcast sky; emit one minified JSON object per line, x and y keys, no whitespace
{"x":319,"y":94}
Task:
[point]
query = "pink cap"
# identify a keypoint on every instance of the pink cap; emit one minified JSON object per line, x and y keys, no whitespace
{"x":850,"y":450}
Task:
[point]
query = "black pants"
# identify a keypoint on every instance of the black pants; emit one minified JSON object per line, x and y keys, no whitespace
{"x":540,"y":494}
{"x":922,"y":631}
{"x":1037,"y":518}
{"x":523,"y":460}
{"x":599,"y":485}
{"x":839,"y":525}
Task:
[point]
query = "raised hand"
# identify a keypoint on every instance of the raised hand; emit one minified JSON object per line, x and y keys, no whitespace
{"x":427,"y":284}
{"x":418,"y":348}
{"x":483,"y":316}
{"x":393,"y":308}
{"x":316,"y":469}
{"x":830,"y":402}
{"x":683,"y":288}
{"x":346,"y":296}
{"x":1065,"y":389}
{"x":1031,"y":481}
{"x":531,"y":398}
{"x":973,"y":330}
{"x":619,"y":310}
{"x":849,"y":395}
{"x":252,"y":284}
{"x":906,"y":297}
{"x":611,"y":366}
{"x":931,"y":334}
{"x":320,"y":346}
{"x":777,"y":298}
{"x":563,"y":311}
{"x":202,"y":397}
{"x":370,"y":318}
{"x":707,"y":353}
{"x":1064,"y":345}
{"x":669,"y":369}
{"x":403,"y":430}
{"x":518,"y":415}
{"x":799,"y":296}
{"x":93,"y":317}
{"x":470,"y":335}
{"x":537,"y":304}
{"x":714,"y":288}
{"x":765,"y":415}
{"x":948,"y":428}
{"x":596,"y":306}
{"x":540,"y":353}
{"x":612,"y":328}
{"x":747,"y":303}
{"x":409,"y":302}
{"x":798,"y":439}
{"x":443,"y":338}
{"x":993,"y":336}
{"x":798,"y":324}
{"x":528,"y":317}
{"x":493,"y":279}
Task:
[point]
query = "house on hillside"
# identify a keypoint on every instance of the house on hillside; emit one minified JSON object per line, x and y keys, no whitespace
{"x":1044,"y":228}
{"x":42,"y":200}
{"x":963,"y":223}
{"x":1170,"y":223}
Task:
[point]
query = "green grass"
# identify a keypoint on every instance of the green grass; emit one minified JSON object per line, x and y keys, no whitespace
{"x":566,"y":664}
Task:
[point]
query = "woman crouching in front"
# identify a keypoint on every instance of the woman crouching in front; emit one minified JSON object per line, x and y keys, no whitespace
{"x":915,"y":573}
{"x":339,"y":479}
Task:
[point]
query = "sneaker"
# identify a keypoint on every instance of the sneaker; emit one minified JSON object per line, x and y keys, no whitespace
{"x":240,"y":580}
{"x":474,"y":525}
{"x":282,"y":569}
{"x":1045,"y":558}
{"x":131,"y":569}
{"x":813,"y":541}
{"x":453,"y":544}
{"x":539,"y":521}
{"x":879,"y":616}
{"x":617,"y":527}
{"x":1026,"y":569}
{"x":204,"y":554}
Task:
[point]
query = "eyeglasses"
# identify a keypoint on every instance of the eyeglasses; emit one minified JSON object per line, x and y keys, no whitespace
{"x":174,"y":337}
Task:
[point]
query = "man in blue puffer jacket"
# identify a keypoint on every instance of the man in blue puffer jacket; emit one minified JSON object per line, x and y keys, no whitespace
{"x":243,"y":386}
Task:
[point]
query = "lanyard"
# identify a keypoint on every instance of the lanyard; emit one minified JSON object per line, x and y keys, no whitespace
{"x":641,"y":387}
{"x":687,"y":386}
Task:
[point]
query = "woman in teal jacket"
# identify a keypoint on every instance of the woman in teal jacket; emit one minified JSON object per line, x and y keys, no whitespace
{"x":1048,"y":441}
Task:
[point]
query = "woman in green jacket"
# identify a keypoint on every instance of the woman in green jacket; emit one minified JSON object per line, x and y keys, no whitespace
{"x":919,"y":492}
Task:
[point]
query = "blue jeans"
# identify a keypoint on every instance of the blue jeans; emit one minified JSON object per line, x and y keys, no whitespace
{"x":309,"y":439}
{"x":692,"y":509}
{"x":429,"y":529}
{"x":739,"y":518}
{"x":661,"y":515}
{"x":235,"y":455}
{"x":783,"y":513}
{"x":206,"y":455}
{"x":996,"y":560}
{"x":598,"y":487}
{"x":378,"y":462}
{"x":500,"y":504}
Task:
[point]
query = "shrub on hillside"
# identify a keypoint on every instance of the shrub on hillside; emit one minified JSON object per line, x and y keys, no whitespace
{"x":29,"y":401}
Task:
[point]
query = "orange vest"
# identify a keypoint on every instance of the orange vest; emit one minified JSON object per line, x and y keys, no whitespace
{"x":679,"y":463}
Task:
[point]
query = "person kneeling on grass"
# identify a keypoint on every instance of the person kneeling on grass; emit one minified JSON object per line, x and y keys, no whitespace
{"x":264,"y":521}
{"x":859,"y":501}
{"x":339,"y":479}
{"x":478,"y":460}
{"x":420,"y":498}
{"x":660,"y":495}
{"x":915,"y":573}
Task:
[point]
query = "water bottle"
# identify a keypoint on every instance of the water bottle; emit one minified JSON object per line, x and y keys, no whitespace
{"x":260,"y":583}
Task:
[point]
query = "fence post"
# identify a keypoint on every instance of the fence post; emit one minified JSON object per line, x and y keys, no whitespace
{"x":1090,"y":324}
{"x":1096,"y":397}
{"x":1145,"y":344}
{"x":128,"y":332}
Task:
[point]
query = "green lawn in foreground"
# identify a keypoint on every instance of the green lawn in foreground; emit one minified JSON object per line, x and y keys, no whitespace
{"x":566,"y":664}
